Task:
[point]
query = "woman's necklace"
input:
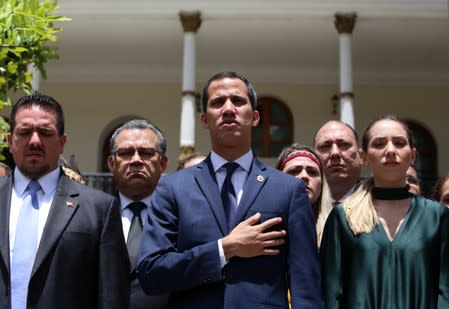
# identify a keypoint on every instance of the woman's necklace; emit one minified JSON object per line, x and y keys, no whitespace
{"x":391,"y":193}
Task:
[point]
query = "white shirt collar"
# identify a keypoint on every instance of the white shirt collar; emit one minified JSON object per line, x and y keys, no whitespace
{"x":125,"y":201}
{"x":244,"y":161}
{"x":48,"y":182}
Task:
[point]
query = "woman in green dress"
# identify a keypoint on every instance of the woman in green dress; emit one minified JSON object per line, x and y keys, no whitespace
{"x":384,"y":247}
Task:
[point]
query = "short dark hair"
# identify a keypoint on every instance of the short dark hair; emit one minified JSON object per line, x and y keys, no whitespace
{"x":229,"y":74}
{"x":140,"y":124}
{"x":42,"y":100}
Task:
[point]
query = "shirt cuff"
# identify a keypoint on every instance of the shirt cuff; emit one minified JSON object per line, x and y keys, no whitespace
{"x":223,"y":261}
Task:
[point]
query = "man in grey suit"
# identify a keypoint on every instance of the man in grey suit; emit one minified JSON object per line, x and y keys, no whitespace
{"x":61,"y":242}
{"x":137,"y":161}
{"x":231,"y":232}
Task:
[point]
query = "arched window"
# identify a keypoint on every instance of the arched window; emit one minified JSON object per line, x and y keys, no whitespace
{"x":275,"y":129}
{"x":105,"y":151}
{"x":426,"y":159}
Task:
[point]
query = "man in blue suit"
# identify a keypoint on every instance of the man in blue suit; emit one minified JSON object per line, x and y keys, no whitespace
{"x":231,"y":235}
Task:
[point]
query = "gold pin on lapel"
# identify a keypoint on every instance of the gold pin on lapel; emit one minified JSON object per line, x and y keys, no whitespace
{"x":260,"y":178}
{"x":70,"y":204}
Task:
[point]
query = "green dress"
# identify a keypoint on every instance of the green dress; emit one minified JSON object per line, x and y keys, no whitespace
{"x":370,"y":271}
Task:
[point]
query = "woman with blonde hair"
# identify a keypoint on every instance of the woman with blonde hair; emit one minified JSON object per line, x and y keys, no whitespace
{"x":303,"y":162}
{"x":385,"y":247}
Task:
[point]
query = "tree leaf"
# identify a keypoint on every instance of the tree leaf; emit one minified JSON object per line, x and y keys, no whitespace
{"x":11,"y":68}
{"x":26,"y":28}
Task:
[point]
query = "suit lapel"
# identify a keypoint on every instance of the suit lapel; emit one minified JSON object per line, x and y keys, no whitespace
{"x":5,"y":205}
{"x":257,"y":177}
{"x":65,"y":203}
{"x":205,"y":177}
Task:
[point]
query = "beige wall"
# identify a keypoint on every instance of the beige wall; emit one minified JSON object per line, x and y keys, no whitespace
{"x":92,"y":110}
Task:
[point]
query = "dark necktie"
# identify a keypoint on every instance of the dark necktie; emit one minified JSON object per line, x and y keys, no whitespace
{"x":228,"y":195}
{"x":135,"y":232}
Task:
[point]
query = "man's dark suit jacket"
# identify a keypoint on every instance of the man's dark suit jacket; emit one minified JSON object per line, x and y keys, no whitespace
{"x":82,"y":261}
{"x":179,"y":253}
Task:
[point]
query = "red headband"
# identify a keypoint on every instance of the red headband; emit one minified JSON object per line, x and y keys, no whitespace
{"x":300,"y":153}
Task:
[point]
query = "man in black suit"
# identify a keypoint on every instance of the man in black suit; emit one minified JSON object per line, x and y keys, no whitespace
{"x":61,"y":242}
{"x":137,"y":161}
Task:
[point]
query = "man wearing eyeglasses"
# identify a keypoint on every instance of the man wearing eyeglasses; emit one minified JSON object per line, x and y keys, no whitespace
{"x":137,"y":161}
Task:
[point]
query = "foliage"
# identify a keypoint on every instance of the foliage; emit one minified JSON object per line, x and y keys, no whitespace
{"x":26,"y":26}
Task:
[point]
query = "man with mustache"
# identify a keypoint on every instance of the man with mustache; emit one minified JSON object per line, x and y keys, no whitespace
{"x":337,"y":145}
{"x":59,"y":240}
{"x":137,"y":161}
{"x":231,"y":232}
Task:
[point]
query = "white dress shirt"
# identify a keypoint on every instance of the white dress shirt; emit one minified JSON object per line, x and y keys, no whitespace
{"x":20,"y":196}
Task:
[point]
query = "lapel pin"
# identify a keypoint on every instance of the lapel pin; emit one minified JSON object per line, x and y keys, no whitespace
{"x":70,"y":204}
{"x":260,"y":178}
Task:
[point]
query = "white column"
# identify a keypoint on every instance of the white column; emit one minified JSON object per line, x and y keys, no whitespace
{"x":187,"y":134}
{"x":345,"y":25}
{"x":345,"y":62}
{"x":347,"y":110}
{"x":189,"y":61}
{"x":36,"y":81}
{"x":191,"y":22}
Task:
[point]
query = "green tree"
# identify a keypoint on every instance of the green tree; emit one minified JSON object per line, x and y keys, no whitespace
{"x":26,"y":28}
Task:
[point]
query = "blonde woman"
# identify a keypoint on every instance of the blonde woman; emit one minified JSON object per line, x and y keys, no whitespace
{"x":304,"y":163}
{"x":385,"y":247}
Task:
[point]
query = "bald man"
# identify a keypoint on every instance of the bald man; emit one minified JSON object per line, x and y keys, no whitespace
{"x":337,"y":145}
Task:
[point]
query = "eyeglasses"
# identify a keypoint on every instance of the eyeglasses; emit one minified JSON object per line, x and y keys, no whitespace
{"x":145,"y":153}
{"x":412,"y":180}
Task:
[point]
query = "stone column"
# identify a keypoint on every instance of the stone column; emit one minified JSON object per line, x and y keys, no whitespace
{"x":191,"y":21}
{"x":345,"y":24}
{"x":36,"y":82}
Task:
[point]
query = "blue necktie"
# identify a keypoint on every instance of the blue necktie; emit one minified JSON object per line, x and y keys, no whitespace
{"x":25,"y":248}
{"x":228,"y":195}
